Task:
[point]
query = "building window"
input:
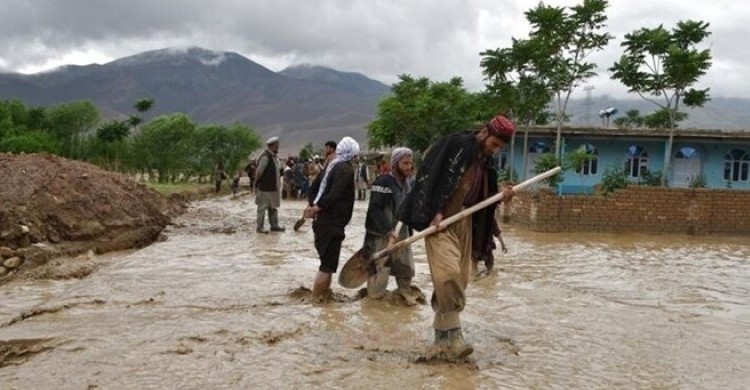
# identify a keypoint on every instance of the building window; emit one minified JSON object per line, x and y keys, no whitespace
{"x":736,"y":164}
{"x":589,"y":167}
{"x":636,"y":161}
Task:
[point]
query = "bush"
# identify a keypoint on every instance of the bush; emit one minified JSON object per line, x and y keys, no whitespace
{"x":31,"y":142}
{"x":613,"y":179}
{"x":649,"y":178}
{"x":698,"y":181}
{"x":546,"y":162}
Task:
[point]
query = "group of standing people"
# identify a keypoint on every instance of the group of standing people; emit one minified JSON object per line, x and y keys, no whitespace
{"x":456,"y":173}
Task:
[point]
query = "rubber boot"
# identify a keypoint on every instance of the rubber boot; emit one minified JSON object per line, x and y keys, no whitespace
{"x":411,"y":294}
{"x":273,"y":219}
{"x":321,"y":286}
{"x":261,"y":221}
{"x":459,"y":348}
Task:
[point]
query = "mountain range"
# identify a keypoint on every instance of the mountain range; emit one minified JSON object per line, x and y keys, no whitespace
{"x":304,"y":103}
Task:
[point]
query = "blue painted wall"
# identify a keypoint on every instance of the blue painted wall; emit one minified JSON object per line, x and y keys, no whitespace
{"x":612,"y":152}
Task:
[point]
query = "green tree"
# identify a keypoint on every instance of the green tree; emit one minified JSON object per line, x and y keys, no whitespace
{"x":632,"y":119}
{"x":112,"y":135}
{"x":166,"y":144}
{"x":516,"y":87}
{"x":30,"y":142}
{"x":143,"y":105}
{"x":421,"y":111}
{"x":307,"y":152}
{"x":228,"y":146}
{"x":661,"y":64}
{"x":561,"y":40}
{"x":70,"y":122}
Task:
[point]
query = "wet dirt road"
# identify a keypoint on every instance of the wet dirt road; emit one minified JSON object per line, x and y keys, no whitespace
{"x":215,"y":307}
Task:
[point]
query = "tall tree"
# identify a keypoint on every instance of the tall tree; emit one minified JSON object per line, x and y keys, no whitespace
{"x":563,"y":38}
{"x":143,"y":105}
{"x":665,"y":65}
{"x":166,"y":144}
{"x":70,"y":122}
{"x":420,"y":111}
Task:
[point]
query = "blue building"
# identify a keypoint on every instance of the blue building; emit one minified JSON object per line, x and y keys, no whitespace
{"x":720,"y":158}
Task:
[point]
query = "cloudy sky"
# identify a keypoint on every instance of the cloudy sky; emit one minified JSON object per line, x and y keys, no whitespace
{"x":380,"y":38}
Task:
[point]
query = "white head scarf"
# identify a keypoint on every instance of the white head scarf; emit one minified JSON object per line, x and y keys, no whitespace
{"x":346,"y":149}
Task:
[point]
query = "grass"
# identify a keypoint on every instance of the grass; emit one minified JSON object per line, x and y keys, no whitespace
{"x":170,"y":188}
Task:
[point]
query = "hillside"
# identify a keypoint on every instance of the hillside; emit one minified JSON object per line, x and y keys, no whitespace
{"x":214,"y":87}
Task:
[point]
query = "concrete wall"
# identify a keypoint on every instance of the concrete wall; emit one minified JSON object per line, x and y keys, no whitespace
{"x":634,"y":209}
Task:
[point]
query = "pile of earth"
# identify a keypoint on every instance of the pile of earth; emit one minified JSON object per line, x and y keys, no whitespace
{"x":51,"y":206}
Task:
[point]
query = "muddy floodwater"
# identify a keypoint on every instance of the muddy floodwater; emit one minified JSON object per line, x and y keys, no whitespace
{"x":217,"y":306}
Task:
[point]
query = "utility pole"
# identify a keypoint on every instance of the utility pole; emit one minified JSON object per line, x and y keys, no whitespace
{"x":588,"y":103}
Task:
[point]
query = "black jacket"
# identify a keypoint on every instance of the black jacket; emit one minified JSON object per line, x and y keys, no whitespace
{"x":337,"y":201}
{"x":386,"y":195}
{"x":437,"y":178}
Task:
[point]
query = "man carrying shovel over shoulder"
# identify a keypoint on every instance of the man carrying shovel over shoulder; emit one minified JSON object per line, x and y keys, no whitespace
{"x":453,"y":176}
{"x":386,"y":196}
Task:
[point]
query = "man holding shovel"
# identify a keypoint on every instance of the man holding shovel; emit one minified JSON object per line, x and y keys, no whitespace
{"x":453,"y":176}
{"x":386,"y":196}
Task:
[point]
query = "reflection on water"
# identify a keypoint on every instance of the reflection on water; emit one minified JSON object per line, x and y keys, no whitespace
{"x":211,"y":308}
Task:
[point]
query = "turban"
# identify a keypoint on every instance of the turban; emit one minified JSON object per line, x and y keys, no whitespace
{"x":398,"y":154}
{"x":501,"y":127}
{"x":272,"y":140}
{"x":346,"y":149}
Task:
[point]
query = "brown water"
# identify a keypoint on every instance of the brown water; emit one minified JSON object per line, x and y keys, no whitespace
{"x":213,"y":307}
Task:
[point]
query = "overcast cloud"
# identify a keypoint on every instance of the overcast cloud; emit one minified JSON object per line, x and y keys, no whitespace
{"x":380,"y":38}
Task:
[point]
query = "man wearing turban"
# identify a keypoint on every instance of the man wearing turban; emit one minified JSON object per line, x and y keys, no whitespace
{"x":331,"y":203}
{"x":453,"y":176}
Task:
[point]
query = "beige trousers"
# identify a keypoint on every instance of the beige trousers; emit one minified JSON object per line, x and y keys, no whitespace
{"x":449,"y":256}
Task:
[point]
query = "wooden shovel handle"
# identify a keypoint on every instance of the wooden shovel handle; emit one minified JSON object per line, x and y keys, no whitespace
{"x":464,"y":213}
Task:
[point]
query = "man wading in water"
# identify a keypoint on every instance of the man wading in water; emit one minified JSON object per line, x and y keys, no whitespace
{"x":452,"y":177}
{"x":331,"y":202}
{"x":268,"y":196}
{"x":386,"y":196}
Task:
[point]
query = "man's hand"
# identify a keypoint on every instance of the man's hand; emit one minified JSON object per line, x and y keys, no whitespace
{"x":311,"y":211}
{"x":436,"y":222}
{"x":508,"y":192}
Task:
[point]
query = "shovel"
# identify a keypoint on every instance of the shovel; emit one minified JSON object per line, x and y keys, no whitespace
{"x":357,"y":269}
{"x":299,"y":223}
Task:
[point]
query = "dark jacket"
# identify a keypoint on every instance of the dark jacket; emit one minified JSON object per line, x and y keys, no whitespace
{"x":267,"y":180}
{"x":337,"y":201}
{"x":386,"y":195}
{"x":437,"y":178}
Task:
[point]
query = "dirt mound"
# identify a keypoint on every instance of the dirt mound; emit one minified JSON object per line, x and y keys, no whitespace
{"x":70,"y":207}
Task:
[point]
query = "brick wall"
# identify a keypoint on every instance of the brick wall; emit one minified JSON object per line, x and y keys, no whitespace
{"x":634,"y":209}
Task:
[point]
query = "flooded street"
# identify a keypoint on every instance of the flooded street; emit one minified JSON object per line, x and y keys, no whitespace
{"x":217,"y":306}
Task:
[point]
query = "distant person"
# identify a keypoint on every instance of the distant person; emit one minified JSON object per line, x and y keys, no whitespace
{"x":331,"y":203}
{"x":269,"y":187}
{"x":236,"y":184}
{"x":485,"y":227}
{"x":362,"y":180}
{"x":386,"y":196}
{"x":219,"y":176}
{"x":300,"y":179}
{"x":329,"y":152}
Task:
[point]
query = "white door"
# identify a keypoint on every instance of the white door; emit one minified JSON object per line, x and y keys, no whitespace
{"x":685,"y":170}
